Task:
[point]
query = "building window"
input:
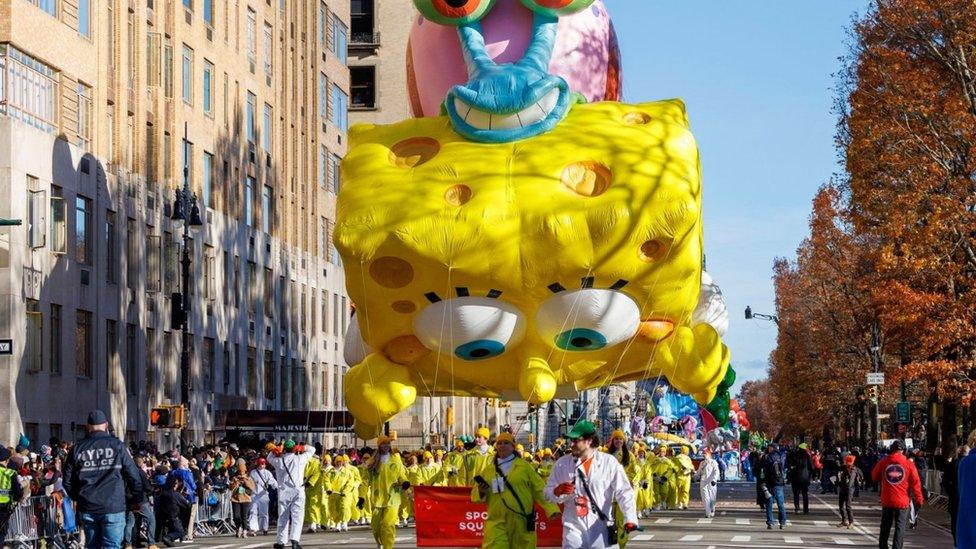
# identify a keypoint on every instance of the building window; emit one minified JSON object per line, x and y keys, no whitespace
{"x":249,"y":34}
{"x":55,"y":335}
{"x":340,"y":39}
{"x":334,"y":162}
{"x":152,"y":362}
{"x":249,"y":122}
{"x":153,"y":264}
{"x":362,"y":86}
{"x":188,"y":4}
{"x":187,"y":74}
{"x":83,"y":124}
{"x":112,"y":356}
{"x":50,"y":6}
{"x":131,"y":374}
{"x":37,"y":206}
{"x":362,"y":22}
{"x":268,"y":128}
{"x":323,"y":20}
{"x":209,"y":273}
{"x":208,"y":13}
{"x":28,"y":89}
{"x":208,"y":95}
{"x":340,"y":108}
{"x":32,"y":346}
{"x":208,"y":364}
{"x":111,"y":253}
{"x":252,"y":371}
{"x":186,"y":162}
{"x":168,"y":71}
{"x":268,"y":49}
{"x":84,"y":18}
{"x":171,"y":264}
{"x":83,"y":236}
{"x":83,"y":343}
{"x":59,"y":238}
{"x":132,"y":256}
{"x":323,"y":166}
{"x":249,"y":183}
{"x":269,"y":376}
{"x":266,"y":210}
{"x":208,"y":179}
{"x":226,"y":369}
{"x":323,"y":96}
{"x":133,"y":51}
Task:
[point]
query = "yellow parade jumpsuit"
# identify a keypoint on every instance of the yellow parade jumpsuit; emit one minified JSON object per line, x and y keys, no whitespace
{"x":429,"y":475}
{"x":313,"y":493}
{"x":385,"y":482}
{"x":451,"y":472}
{"x":685,"y":468}
{"x":475,"y":464}
{"x":367,"y":510}
{"x":505,"y":527}
{"x":634,"y":473}
{"x":545,"y":469}
{"x":345,"y":488}
{"x":329,"y":475}
{"x":664,"y":478}
{"x":645,"y":485}
{"x":406,"y":507}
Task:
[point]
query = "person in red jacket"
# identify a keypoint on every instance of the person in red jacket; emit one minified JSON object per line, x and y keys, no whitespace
{"x":900,"y":485}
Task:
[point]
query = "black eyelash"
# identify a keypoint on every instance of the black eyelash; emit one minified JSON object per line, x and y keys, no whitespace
{"x":586,"y":282}
{"x":432,"y":297}
{"x":494,"y":294}
{"x":619,"y":284}
{"x":461,"y":291}
{"x":556,"y":287}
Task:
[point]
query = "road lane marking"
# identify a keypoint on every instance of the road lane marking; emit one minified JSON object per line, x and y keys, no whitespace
{"x":793,"y":539}
{"x":663,"y":521}
{"x":691,"y":537}
{"x":843,"y":541}
{"x":642,"y":537}
{"x":860,"y":529}
{"x":705,"y":521}
{"x":820,"y":523}
{"x":742,"y":521}
{"x":741,"y":539}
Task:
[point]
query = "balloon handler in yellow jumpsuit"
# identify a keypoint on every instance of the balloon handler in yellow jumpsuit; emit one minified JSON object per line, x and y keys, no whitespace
{"x":685,"y":469}
{"x":343,"y":495}
{"x":387,"y":479}
{"x":645,"y":484}
{"x":314,"y":495}
{"x":511,"y":486}
{"x":617,"y":447}
{"x":664,"y":478}
{"x":364,"y":506}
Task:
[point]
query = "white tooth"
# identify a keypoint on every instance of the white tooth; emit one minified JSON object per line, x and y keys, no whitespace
{"x":550,"y":100}
{"x":478,"y":119}
{"x":499,"y":122}
{"x":531,"y":115}
{"x":461,"y":107}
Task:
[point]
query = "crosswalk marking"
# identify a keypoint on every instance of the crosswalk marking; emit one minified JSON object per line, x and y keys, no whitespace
{"x":843,"y":541}
{"x":251,"y":546}
{"x":742,"y":521}
{"x":642,"y":537}
{"x":663,"y":521}
{"x":821,"y":523}
{"x":691,"y":537}
{"x":705,"y":521}
{"x":741,"y":539}
{"x":793,"y":539}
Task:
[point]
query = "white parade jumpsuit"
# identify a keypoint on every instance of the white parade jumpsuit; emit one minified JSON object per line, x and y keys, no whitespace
{"x":258,"y":516}
{"x":608,"y":483}
{"x":708,"y":474}
{"x":290,"y":473}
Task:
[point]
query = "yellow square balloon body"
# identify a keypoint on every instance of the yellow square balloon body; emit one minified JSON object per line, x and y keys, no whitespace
{"x":609,"y":199}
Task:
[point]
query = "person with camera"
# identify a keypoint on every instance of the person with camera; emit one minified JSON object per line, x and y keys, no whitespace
{"x":511,"y":487}
{"x":589,"y":482}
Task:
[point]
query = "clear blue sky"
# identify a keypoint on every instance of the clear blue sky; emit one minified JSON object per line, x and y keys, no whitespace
{"x":757,"y":78}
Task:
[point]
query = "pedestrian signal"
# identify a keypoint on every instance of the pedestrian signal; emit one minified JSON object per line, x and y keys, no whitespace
{"x":160,"y":417}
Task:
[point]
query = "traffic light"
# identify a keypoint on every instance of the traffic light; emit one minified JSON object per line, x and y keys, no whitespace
{"x":450,"y":416}
{"x":179,"y":417}
{"x":160,"y":417}
{"x":873,"y":393}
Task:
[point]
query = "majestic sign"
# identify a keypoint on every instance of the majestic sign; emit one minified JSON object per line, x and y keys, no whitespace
{"x":295,"y":421}
{"x":446,"y":517}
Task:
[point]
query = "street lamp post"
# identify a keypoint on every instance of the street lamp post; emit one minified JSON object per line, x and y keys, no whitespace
{"x":751,"y":315}
{"x":185,"y":209}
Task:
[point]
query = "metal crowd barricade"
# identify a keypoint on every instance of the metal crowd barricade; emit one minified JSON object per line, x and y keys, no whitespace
{"x":38,"y":519}
{"x":933,"y":485}
{"x":215,"y":520}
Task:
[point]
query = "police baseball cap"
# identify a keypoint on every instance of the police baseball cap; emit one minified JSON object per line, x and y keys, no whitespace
{"x":582,"y":429}
{"x":896,"y":446}
{"x":97,"y":417}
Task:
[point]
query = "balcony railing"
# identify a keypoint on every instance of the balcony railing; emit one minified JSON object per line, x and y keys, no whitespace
{"x":364,"y":39}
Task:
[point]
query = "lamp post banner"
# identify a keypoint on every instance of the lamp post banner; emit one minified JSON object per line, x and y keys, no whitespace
{"x":446,"y":517}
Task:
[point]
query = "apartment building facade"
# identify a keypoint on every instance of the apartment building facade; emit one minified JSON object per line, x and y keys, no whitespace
{"x":102,"y":104}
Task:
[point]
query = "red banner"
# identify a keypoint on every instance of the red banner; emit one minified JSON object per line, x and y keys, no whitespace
{"x":446,"y":517}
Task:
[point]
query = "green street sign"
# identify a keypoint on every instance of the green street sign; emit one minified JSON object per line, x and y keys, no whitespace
{"x":10,"y":222}
{"x":903,"y":412}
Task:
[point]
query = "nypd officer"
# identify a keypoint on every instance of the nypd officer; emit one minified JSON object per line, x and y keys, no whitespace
{"x":10,"y":491}
{"x":98,"y":472}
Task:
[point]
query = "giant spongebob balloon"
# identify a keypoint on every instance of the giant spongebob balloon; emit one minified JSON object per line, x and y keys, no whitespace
{"x":522,"y":258}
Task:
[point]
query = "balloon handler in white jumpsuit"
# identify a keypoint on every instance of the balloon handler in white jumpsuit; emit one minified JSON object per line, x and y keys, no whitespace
{"x":589,"y":483}
{"x":289,"y":468}
{"x":708,"y":475}
{"x":264,"y":482}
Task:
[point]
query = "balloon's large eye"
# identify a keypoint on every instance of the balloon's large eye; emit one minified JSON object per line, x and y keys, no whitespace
{"x":588,"y":319}
{"x":470,"y":328}
{"x":453,"y":12}
{"x":556,"y":8}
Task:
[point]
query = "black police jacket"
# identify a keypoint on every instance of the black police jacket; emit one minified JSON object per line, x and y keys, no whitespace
{"x":98,"y":472}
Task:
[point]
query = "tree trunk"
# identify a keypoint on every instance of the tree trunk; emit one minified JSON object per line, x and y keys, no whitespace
{"x":949,"y":426}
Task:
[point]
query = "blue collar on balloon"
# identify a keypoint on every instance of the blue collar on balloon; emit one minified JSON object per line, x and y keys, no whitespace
{"x":511,"y":101}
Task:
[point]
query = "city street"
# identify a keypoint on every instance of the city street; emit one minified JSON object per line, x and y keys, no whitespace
{"x":738,"y":523}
